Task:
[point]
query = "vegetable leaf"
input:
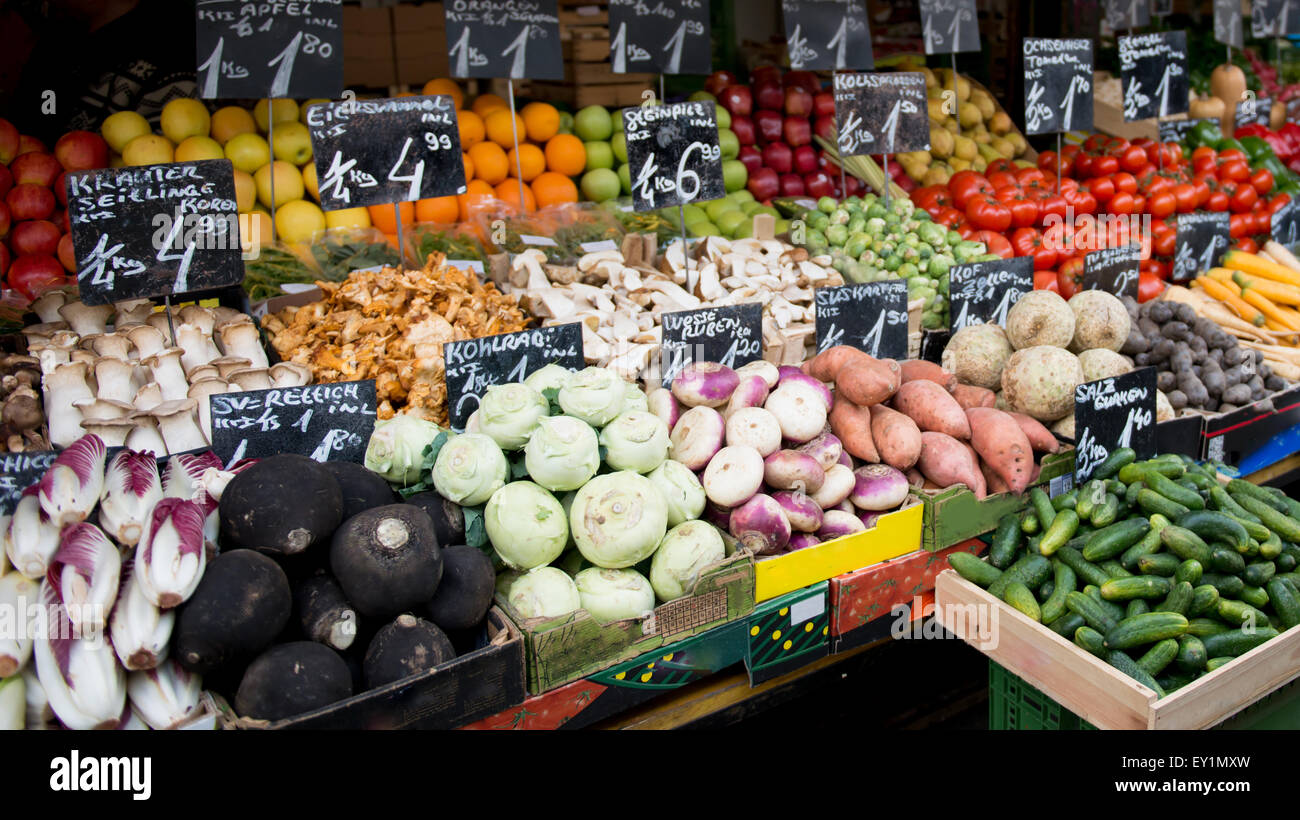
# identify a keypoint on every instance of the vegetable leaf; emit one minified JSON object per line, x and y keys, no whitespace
{"x":552,"y":396}
{"x":475,"y":529}
{"x":518,"y":469}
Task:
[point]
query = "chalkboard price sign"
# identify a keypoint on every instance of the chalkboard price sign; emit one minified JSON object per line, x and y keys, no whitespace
{"x":1274,"y":18}
{"x":660,"y":36}
{"x":1113,"y":413}
{"x":871,"y":316}
{"x":517,"y":39}
{"x":1114,"y":270}
{"x":154,"y":230}
{"x":375,"y":152}
{"x":1177,"y":130}
{"x":1125,"y":15}
{"x":1252,"y":110}
{"x":949,"y":26}
{"x":1153,"y":71}
{"x":268,"y":49}
{"x":1058,"y":85}
{"x":326,"y":422}
{"x":1227,"y":22}
{"x":1162,"y":8}
{"x":881,"y":113}
{"x":474,"y":365}
{"x":18,"y":471}
{"x":1285,"y":225}
{"x":827,"y":35}
{"x":731,"y":335}
{"x":983,"y":292}
{"x":673,"y":154}
{"x":1202,"y":239}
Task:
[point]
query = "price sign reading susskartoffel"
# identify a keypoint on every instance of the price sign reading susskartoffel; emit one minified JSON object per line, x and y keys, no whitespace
{"x":881,"y":113}
{"x":871,"y":316}
{"x":517,"y":39}
{"x":1153,"y":71}
{"x":661,"y":36}
{"x":1058,"y":85}
{"x":827,"y":35}
{"x":278,"y":49}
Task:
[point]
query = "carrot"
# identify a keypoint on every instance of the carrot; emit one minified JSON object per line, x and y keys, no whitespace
{"x":1269,"y":310}
{"x":1281,"y":255}
{"x":1000,"y":442}
{"x":897,"y":438}
{"x":1259,"y":266}
{"x":1275,"y":291}
{"x":1230,"y":295}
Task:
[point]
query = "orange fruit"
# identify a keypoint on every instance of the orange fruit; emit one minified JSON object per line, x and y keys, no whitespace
{"x":490,"y":163}
{"x":469,"y":167}
{"x":487,"y":102}
{"x":541,"y":120}
{"x":565,"y":154}
{"x":437,"y":209}
{"x":531,"y":162}
{"x":471,"y":129}
{"x":508,"y":192}
{"x":382,"y":217}
{"x":442,"y":85}
{"x":476,"y":192}
{"x":498,"y":127}
{"x":553,"y":188}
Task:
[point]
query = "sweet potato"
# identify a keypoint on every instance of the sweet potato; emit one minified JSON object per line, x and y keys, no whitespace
{"x":932,"y":408}
{"x":868,"y":381}
{"x":852,"y":425}
{"x":915,"y":478}
{"x":945,"y":461}
{"x":914,"y":369}
{"x":1040,"y":438}
{"x":897,"y":438}
{"x":825,"y":366}
{"x":1003,"y":445}
{"x":993,"y":480}
{"x":968,"y":396}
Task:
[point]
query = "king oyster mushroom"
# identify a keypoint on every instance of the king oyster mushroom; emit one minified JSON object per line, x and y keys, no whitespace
{"x":179,"y":425}
{"x":165,"y":365}
{"x":203,"y":371}
{"x":148,"y":397}
{"x":64,"y":386}
{"x":132,"y":311}
{"x":145,"y":437}
{"x":115,"y":379}
{"x":242,"y":338}
{"x":202,"y":318}
{"x":146,"y":339}
{"x":102,"y":408}
{"x":116,"y":344}
{"x":290,"y":374}
{"x":47,"y":305}
{"x":229,"y":364}
{"x":200,"y":391}
{"x":114,"y":432}
{"x":251,"y":378}
{"x":84,"y":319}
{"x":198,"y":347}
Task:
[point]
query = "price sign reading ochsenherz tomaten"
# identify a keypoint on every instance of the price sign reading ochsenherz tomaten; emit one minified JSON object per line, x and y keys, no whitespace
{"x":731,"y":335}
{"x":474,"y":365}
{"x":1274,"y":18}
{"x":326,"y":422}
{"x":881,"y":113}
{"x":375,"y":152}
{"x":1058,"y":85}
{"x":1126,"y":15}
{"x":1227,"y":22}
{"x":871,"y":316}
{"x":827,"y":35}
{"x":1114,"y":270}
{"x":250,"y":49}
{"x":949,"y":26}
{"x":1285,"y":224}
{"x":517,"y":39}
{"x":1202,"y":239}
{"x":1113,"y":413}
{"x":1153,"y":71}
{"x":673,"y":154}
{"x":660,"y":36}
{"x":154,"y":230}
{"x":982,"y":292}
{"x":1177,"y":130}
{"x":18,"y":471}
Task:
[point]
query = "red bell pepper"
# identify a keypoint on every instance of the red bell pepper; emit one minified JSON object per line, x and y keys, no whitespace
{"x":1290,"y":134}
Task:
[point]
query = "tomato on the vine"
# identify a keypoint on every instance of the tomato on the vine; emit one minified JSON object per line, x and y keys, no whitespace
{"x":1240,"y":225}
{"x":1246,"y":244}
{"x":949,"y":217}
{"x":1125,"y":182}
{"x":1262,"y":181}
{"x":1101,"y":166}
{"x":1046,"y":280}
{"x":1030,"y":242}
{"x":1001,"y":165}
{"x":1002,"y":179}
{"x":1218,"y":201}
{"x":1161,"y":204}
{"x":1121,"y":203}
{"x":1185,"y":196}
{"x":1069,"y":279}
{"x":996,"y":243}
{"x":1236,"y":170}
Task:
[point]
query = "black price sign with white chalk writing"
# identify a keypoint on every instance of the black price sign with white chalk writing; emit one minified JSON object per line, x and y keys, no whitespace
{"x":827,"y":35}
{"x":1153,"y":71}
{"x":731,"y":335}
{"x":1274,"y":18}
{"x":1285,"y":224}
{"x":1114,"y":413}
{"x":375,"y":152}
{"x":1162,"y":8}
{"x":1126,"y":15}
{"x":1058,"y":85}
{"x":516,"y":39}
{"x":474,"y":365}
{"x":1202,"y":239}
{"x":268,"y":49}
{"x":660,"y":36}
{"x":881,"y":113}
{"x":1114,"y":270}
{"x":871,"y":316}
{"x":1252,"y":110}
{"x":1227,"y":22}
{"x":154,"y":230}
{"x":1177,"y":130}
{"x":673,"y":154}
{"x":949,"y":26}
{"x":18,"y":471}
{"x":982,"y":292}
{"x":326,"y":422}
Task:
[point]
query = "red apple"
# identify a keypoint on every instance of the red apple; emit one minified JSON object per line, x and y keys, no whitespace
{"x":743,"y":128}
{"x":764,"y":184}
{"x":9,"y":139}
{"x":823,"y":126}
{"x":778,"y":157}
{"x":36,"y":168}
{"x":824,"y":104}
{"x":67,"y":256}
{"x":805,"y":159}
{"x":60,"y":187}
{"x":806,"y":80}
{"x":738,"y":100}
{"x":27,"y":144}
{"x":6,"y":180}
{"x":768,"y":73}
{"x":37,"y":237}
{"x":769,"y":126}
{"x":792,"y":185}
{"x":4,"y":259}
{"x":854,"y":185}
{"x":719,"y":80}
{"x":28,"y":201}
{"x":819,"y":184}
{"x":751,"y":158}
{"x":30,"y":275}
{"x":769,"y":96}
{"x":798,"y":103}
{"x":797,"y":131}
{"x":81,"y":151}
{"x":5,"y":220}
{"x":61,"y":220}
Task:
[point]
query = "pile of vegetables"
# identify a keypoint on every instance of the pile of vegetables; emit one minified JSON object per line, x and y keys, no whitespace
{"x":22,"y":419}
{"x":1152,"y":566}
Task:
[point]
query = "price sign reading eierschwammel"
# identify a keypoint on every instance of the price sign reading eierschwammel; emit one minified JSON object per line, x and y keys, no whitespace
{"x":1126,"y":15}
{"x":881,"y":113}
{"x":516,"y":39}
{"x":871,"y":316}
{"x":1273,"y":18}
{"x":1202,"y":239}
{"x":268,"y":49}
{"x":949,"y":26}
{"x":731,"y":335}
{"x":374,"y":152}
{"x":18,"y":471}
{"x":1114,"y":413}
{"x":326,"y":422}
{"x":827,"y":35}
{"x":474,"y":365}
{"x":663,"y":37}
{"x":982,"y":292}
{"x":673,"y":154}
{"x":1153,"y":71}
{"x":1114,"y":270}
{"x":1058,"y":85}
{"x":1227,"y":22}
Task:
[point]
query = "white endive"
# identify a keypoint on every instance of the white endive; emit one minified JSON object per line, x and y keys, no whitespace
{"x":164,"y":696}
{"x":13,"y":704}
{"x":140,"y":631}
{"x":39,"y":713}
{"x":18,"y":595}
{"x":169,"y":560}
{"x":85,"y":684}
{"x":131,"y":489}
{"x":84,"y":576}
{"x":183,"y":475}
{"x":130,"y":721}
{"x":31,"y":539}
{"x":71,"y":487}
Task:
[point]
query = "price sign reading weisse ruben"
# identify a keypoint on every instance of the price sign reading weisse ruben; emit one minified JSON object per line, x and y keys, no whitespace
{"x":881,"y":113}
{"x":1274,"y":18}
{"x":673,"y":154}
{"x":154,"y":230}
{"x":1253,"y":110}
{"x":982,"y":292}
{"x":516,"y":39}
{"x":474,"y":365}
{"x":326,"y":422}
{"x":1153,"y":71}
{"x":1058,"y":85}
{"x":827,"y":35}
{"x":1285,"y":224}
{"x":1177,"y":130}
{"x":1202,"y":239}
{"x":292,"y":49}
{"x":949,"y":26}
{"x":18,"y":471}
{"x":660,"y":36}
{"x":731,"y":335}
{"x":1114,"y":413}
{"x":1114,"y":270}
{"x":871,"y":316}
{"x":1227,"y":22}
{"x":374,"y":152}
{"x":1124,"y":15}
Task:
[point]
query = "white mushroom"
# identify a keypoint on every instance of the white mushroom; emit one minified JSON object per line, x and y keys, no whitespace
{"x":131,"y":311}
{"x":200,"y":391}
{"x":147,"y":340}
{"x":87,"y":356}
{"x":202,"y":318}
{"x":84,"y":319}
{"x":179,"y":425}
{"x":243,"y":339}
{"x":158,"y":320}
{"x":197,"y":344}
{"x":223,"y":315}
{"x":50,"y":356}
{"x":165,"y":365}
{"x":61,"y":388}
{"x":113,"y":431}
{"x":148,"y":397}
{"x":228,"y":364}
{"x":203,"y":371}
{"x":251,"y":378}
{"x":145,"y":437}
{"x":47,"y":305}
{"x":290,"y":374}
{"x":101,"y":408}
{"x":113,"y":378}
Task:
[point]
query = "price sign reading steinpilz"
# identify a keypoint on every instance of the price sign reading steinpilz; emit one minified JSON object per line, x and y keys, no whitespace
{"x":1114,"y":270}
{"x":982,"y":292}
{"x":18,"y":471}
{"x":154,"y":230}
{"x":286,"y":49}
{"x":1202,"y":239}
{"x":1274,"y":18}
{"x":871,"y":316}
{"x":1285,"y":225}
{"x":1058,"y":85}
{"x":1114,"y":413}
{"x":1125,"y":15}
{"x":949,"y":26}
{"x":325,"y":422}
{"x":1177,"y":130}
{"x":881,"y":113}
{"x":1252,"y":110}
{"x":673,"y":154}
{"x":731,"y":335}
{"x":517,"y":39}
{"x":374,"y":152}
{"x":660,"y":36}
{"x":1227,"y":22}
{"x":474,"y":365}
{"x":1153,"y":71}
{"x":827,"y":35}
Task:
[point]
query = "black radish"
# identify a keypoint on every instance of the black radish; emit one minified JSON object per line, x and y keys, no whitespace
{"x":448,"y":520}
{"x":406,"y":647}
{"x":284,"y":505}
{"x":324,"y":612}
{"x":387,"y":560}
{"x":291,"y":679}
{"x":238,"y":609}
{"x":465,"y":591}
{"x":361,"y":488}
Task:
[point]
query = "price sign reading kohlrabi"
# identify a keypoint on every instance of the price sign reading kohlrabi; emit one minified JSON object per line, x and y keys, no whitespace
{"x":1058,"y":85}
{"x":1114,"y":413}
{"x":1202,"y":239}
{"x":881,"y":113}
{"x":268,"y":49}
{"x":517,"y":39}
{"x":1227,"y":22}
{"x":949,"y":26}
{"x":1114,"y":270}
{"x":673,"y":154}
{"x":1153,"y":71}
{"x":982,"y":292}
{"x":664,"y":37}
{"x":474,"y":365}
{"x":871,"y":316}
{"x":827,"y":35}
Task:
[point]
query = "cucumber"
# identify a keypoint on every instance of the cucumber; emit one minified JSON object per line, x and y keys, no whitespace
{"x":1191,"y":655}
{"x":1255,"y":596}
{"x":1113,"y":463}
{"x":1141,"y":630}
{"x":1033,"y":545}
{"x":1214,"y":663}
{"x":1292,"y":578}
{"x":1292,"y":506}
{"x":1090,"y":495}
{"x":1252,"y":526}
{"x":1240,"y":614}
{"x":1116,"y":487}
{"x":1065,"y":501}
{"x":1153,"y":502}
{"x":1113,"y":609}
{"x":1064,"y":582}
{"x":1237,"y":642}
{"x":1115,"y":569}
{"x":1159,"y":656}
{"x":1271,"y":547}
{"x":1149,"y":544}
{"x":1006,"y":542}
{"x":1105,"y":513}
{"x":1189,"y":571}
{"x":1259,"y":573}
{"x":1185,"y":544}
{"x":1028,"y":523}
{"x":1284,"y":525}
{"x":1162,"y":564}
{"x":1132,"y":473}
{"x":1238,"y":489}
{"x":1173,"y":491}
{"x":1115,"y":539}
{"x":973,"y":569}
{"x":1179,"y":599}
{"x":1285,"y":601}
{"x":1149,"y":587}
{"x":1173,"y":682}
{"x":1285,"y":562}
{"x":1091,"y":641}
{"x":1204,"y":627}
{"x":1060,"y":532}
{"x":1030,"y":570}
{"x":1221,"y":501}
{"x":1091,"y":611}
{"x":1042,"y":506}
{"x":1211,"y":526}
{"x":1087,"y":571}
{"x":1067,"y":624}
{"x":1229,"y":586}
{"x":1137,"y":606}
{"x":1045,"y":591}
{"x":1129,"y":667}
{"x":1251,"y":550}
{"x":1205,"y":598}
{"x":1019,"y":597}
{"x":1198,"y":480}
{"x":1227,"y":561}
{"x":1131,"y":494}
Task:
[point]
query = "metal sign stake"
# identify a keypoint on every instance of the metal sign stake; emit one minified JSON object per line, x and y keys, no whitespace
{"x":514,"y":130}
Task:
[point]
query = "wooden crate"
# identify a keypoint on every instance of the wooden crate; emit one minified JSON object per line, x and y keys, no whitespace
{"x":613,"y":95}
{"x":1095,"y":690}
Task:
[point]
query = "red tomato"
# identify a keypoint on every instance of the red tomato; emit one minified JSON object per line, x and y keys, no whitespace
{"x":1125,"y":182}
{"x":1002,"y":179}
{"x":1277,"y":201}
{"x":1046,"y":280}
{"x":1103,"y":188}
{"x":996,"y":243}
{"x":1052,"y":204}
{"x":1029,"y":242}
{"x":1162,"y":203}
{"x":1026,"y":176}
{"x":1243,"y":199}
{"x":1149,"y":287}
{"x":1062,"y":238}
{"x":1218,"y":201}
{"x":1236,"y":170}
{"x":1232,"y":154}
{"x":1024,"y":211}
{"x":1095,"y":142}
{"x":1240,"y":225}
{"x":1083,"y":165}
{"x":1203,"y":151}
{"x":1164,"y":243}
{"x":932,"y":196}
{"x":1263,"y":221}
{"x":1121,"y":203}
{"x":1139,"y":204}
{"x":1047,"y":161}
{"x":949,"y":217}
{"x":1246,"y":244}
{"x":1082,"y":202}
{"x":986,"y":213}
{"x":967,"y":185}
{"x":1069,"y":279}
{"x":1133,"y":158}
{"x":1202,"y":186}
{"x":1001,"y":165}
{"x":1185,"y":195}
{"x":1102,"y":166}
{"x":1262,"y":181}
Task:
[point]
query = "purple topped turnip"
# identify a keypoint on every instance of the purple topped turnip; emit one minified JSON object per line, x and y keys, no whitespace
{"x":705,"y":384}
{"x":793,"y":375}
{"x":760,"y":525}
{"x":803,"y":513}
{"x":663,"y":404}
{"x":764,"y":369}
{"x":754,"y":427}
{"x":826,"y":448}
{"x":792,"y":470}
{"x":751,"y":392}
{"x":733,"y":476}
{"x":697,"y":437}
{"x":878,"y":487}
{"x":837,"y":523}
{"x":839,"y":482}
{"x":799,"y":409}
{"x":802,"y":540}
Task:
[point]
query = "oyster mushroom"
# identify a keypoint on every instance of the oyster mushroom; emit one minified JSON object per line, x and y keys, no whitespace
{"x":145,"y":437}
{"x":117,"y":345}
{"x":242,"y":338}
{"x":148,"y":397}
{"x":290,"y":374}
{"x":167,"y":372}
{"x":197,"y":346}
{"x":251,"y":378}
{"x":229,"y":364}
{"x":22,"y":410}
{"x":146,"y":339}
{"x":47,"y":305}
{"x":131,"y":311}
{"x":87,"y":356}
{"x":200,"y":391}
{"x":62,"y":387}
{"x":202,"y":318}
{"x":84,"y":319}
{"x":102,"y":408}
{"x":179,"y":425}
{"x":158,"y":321}
{"x":114,"y":432}
{"x":114,"y":378}
{"x":43,"y":331}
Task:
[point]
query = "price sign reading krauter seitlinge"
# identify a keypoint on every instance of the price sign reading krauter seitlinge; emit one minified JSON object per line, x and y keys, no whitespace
{"x":1058,"y":85}
{"x":248,"y":50}
{"x":672,"y":154}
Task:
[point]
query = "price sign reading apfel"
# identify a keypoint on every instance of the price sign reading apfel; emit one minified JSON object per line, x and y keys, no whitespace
{"x":1058,"y":85}
{"x":827,"y":35}
{"x":1153,"y":72}
{"x":663,"y":36}
{"x":949,"y":26}
{"x":1202,"y":239}
{"x":1114,"y":413}
{"x":517,"y":39}
{"x":881,"y":113}
{"x":672,"y":154}
{"x":292,"y":49}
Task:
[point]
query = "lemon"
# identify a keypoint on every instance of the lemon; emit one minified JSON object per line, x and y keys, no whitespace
{"x":120,"y":128}
{"x":286,"y":110}
{"x":288,"y":183}
{"x":348,"y":218}
{"x":147,"y":149}
{"x":185,"y":118}
{"x":309,"y":180}
{"x":292,"y":143}
{"x":248,"y":152}
{"x":299,"y":221}
{"x":245,"y":191}
{"x":230,"y":122}
{"x":196,"y":148}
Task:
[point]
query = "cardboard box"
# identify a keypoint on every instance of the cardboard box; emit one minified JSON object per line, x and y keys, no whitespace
{"x":1182,"y":436}
{"x":788,"y":632}
{"x":419,"y":43}
{"x":368,"y":47}
{"x":1231,"y":438}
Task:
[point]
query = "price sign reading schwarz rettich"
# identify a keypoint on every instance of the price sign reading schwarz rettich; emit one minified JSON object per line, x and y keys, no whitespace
{"x":1058,"y":85}
{"x":881,"y":113}
{"x":673,"y":154}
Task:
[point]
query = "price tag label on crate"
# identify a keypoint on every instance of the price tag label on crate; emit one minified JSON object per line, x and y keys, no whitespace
{"x":949,"y":26}
{"x":1177,"y":130}
{"x":827,"y":35}
{"x":1227,"y":22}
{"x":662,"y":37}
{"x":1285,"y":225}
{"x":268,"y":49}
{"x":673,"y":154}
{"x":376,"y":152}
{"x":1274,"y":18}
{"x":871,"y":316}
{"x":154,"y":230}
{"x":325,"y":422}
{"x":1114,"y":270}
{"x":474,"y":365}
{"x":18,"y":471}
{"x":1153,"y":73}
{"x":1252,"y":110}
{"x":1202,"y":239}
{"x":881,"y":113}
{"x":731,"y":335}
{"x":1126,"y":15}
{"x":1058,"y":85}
{"x":1114,"y":413}
{"x":517,"y":39}
{"x":982,"y":292}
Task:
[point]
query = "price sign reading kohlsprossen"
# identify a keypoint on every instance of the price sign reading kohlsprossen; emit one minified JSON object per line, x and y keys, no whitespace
{"x":517,"y":39}
{"x":1153,"y":71}
{"x":1202,"y":239}
{"x":279,"y":49}
{"x":1114,"y":413}
{"x":871,"y":316}
{"x":827,"y":35}
{"x":673,"y":154}
{"x":983,"y":292}
{"x":1058,"y":85}
{"x":663,"y":36}
{"x":881,"y":113}
{"x":949,"y":26}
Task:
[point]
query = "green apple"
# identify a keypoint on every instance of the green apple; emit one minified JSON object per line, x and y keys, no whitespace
{"x":599,"y":155}
{"x":728,"y":143}
{"x":593,"y":123}
{"x":734,"y":175}
{"x":619,"y":145}
{"x":724,"y":117}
